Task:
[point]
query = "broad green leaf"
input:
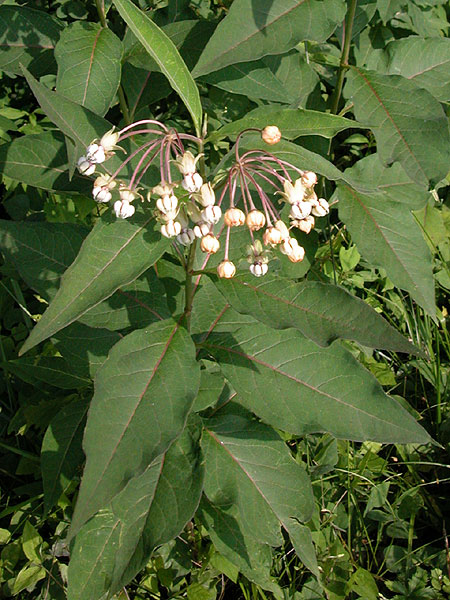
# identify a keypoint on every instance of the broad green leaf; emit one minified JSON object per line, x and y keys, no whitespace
{"x":49,"y":370}
{"x":114,"y":254}
{"x":142,"y":88}
{"x":61,"y":452}
{"x":301,"y":539}
{"x":253,"y":558}
{"x":286,"y":78}
{"x":84,"y":348}
{"x":387,"y":235}
{"x":409,"y":124}
{"x":27,"y":38}
{"x":90,"y":73}
{"x":322,"y":312}
{"x":40,"y":160}
{"x":292,"y":122}
{"x":252,"y":30}
{"x":296,"y":386}
{"x":392,"y":181}
{"x":31,"y":540}
{"x":211,"y":387}
{"x":426,"y":62}
{"x":144,"y":392}
{"x":248,"y":466}
{"x":164,"y":52}
{"x":27,"y":577}
{"x":151,"y":509}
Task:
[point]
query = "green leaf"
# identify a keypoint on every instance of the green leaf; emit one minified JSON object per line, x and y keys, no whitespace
{"x":31,"y":540}
{"x":286,"y":78}
{"x":253,"y":558}
{"x":301,"y":539}
{"x":250,"y":30}
{"x":151,"y":509}
{"x":320,"y":311}
{"x":296,"y":386}
{"x":211,"y":387}
{"x":164,"y":52}
{"x":84,"y":348}
{"x":291,"y":122}
{"x":28,"y":38}
{"x":249,"y":467}
{"x":388,"y":236}
{"x":114,"y":253}
{"x":61,"y":453}
{"x":40,"y":160}
{"x":410,"y":125}
{"x":27,"y":578}
{"x":144,"y":392}
{"x":426,"y":62}
{"x":50,"y":370}
{"x":90,"y":73}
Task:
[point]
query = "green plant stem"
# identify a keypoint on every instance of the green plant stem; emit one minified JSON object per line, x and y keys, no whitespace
{"x":124,"y":106}
{"x":101,"y":13}
{"x":343,"y":66}
{"x":189,"y":286}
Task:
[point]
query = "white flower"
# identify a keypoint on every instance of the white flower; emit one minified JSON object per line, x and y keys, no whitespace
{"x":96,"y":153}
{"x":289,"y":246}
{"x":271,"y":134}
{"x":123,"y":209}
{"x":258,"y":269}
{"x":201,"y":229}
{"x":101,"y":194}
{"x":85,"y":166}
{"x":309,"y":179}
{"x":171,"y":229}
{"x":305,"y":224}
{"x":167,"y":204}
{"x":226,"y":269}
{"x":109,"y":140}
{"x":211,"y":214}
{"x":300,"y":210}
{"x":206,"y":196}
{"x":187,"y":163}
{"x":127,"y":195}
{"x":293,"y":194}
{"x":192,"y":183}
{"x":320,"y":208}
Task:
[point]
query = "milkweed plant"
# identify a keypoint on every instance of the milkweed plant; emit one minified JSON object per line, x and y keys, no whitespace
{"x":192,"y":309}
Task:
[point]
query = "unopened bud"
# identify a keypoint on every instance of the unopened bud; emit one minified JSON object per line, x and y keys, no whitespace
{"x":272,"y":236}
{"x":271,"y":134}
{"x":210,"y":244}
{"x":226,"y":269}
{"x":186,"y":237}
{"x":234,"y":217}
{"x":297,"y":254}
{"x":255,"y":220}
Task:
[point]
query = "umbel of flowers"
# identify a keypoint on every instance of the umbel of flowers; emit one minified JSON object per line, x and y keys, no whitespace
{"x":190,"y":208}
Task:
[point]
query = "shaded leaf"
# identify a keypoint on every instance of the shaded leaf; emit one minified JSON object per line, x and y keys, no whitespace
{"x":114,"y":253}
{"x":286,"y":78}
{"x":144,"y":391}
{"x":294,"y":385}
{"x":164,"y":52}
{"x":50,"y":370}
{"x":28,"y":38}
{"x":252,"y":30}
{"x":90,"y":73}
{"x":409,"y":123}
{"x":388,"y":236}
{"x":40,"y":160}
{"x":320,"y":311}
{"x":61,"y":452}
{"x":291,"y":122}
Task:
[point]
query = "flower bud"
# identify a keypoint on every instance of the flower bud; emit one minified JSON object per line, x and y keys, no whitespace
{"x":192,"y":183}
{"x":320,"y":208}
{"x":170,"y":229}
{"x":255,"y":220}
{"x":272,"y":236}
{"x":186,"y":237}
{"x":123,"y":209}
{"x":282,"y":228}
{"x":211,"y":214}
{"x":271,"y":134}
{"x":289,"y":246}
{"x":297,"y":254}
{"x":226,"y":269}
{"x":85,"y":166}
{"x":258,"y":269}
{"x":201,"y":229}
{"x":210,"y":244}
{"x":300,"y":210}
{"x":167,"y":204}
{"x":207,"y":196}
{"x":234,"y":217}
{"x":309,"y":179}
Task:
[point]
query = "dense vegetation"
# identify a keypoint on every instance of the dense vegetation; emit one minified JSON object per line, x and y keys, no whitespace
{"x":333,"y":367}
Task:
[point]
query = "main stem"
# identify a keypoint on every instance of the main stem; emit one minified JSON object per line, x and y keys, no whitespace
{"x":343,"y":66}
{"x":189,"y":289}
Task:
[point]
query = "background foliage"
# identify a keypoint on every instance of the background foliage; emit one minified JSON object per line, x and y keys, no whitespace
{"x":191,"y":506}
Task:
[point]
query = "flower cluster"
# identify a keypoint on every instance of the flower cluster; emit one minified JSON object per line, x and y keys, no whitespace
{"x":188,"y":208}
